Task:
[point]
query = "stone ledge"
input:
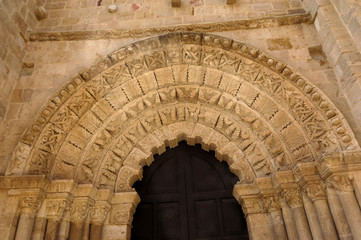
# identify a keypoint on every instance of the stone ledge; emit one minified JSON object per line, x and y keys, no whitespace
{"x":274,"y":21}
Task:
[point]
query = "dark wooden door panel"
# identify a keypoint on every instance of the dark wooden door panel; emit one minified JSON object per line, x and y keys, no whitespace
{"x":169,"y":220}
{"x":186,"y":194}
{"x":206,"y":219}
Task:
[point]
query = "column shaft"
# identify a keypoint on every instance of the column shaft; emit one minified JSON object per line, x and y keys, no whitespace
{"x":39,"y":228}
{"x":303,"y":229}
{"x":343,"y":229}
{"x":259,"y":226}
{"x":76,"y":231}
{"x":86,"y":231}
{"x":290,"y":223}
{"x":325,"y":219}
{"x":25,"y":227}
{"x":278,"y":225}
{"x":96,"y":231}
{"x":52,"y":229}
{"x":116,"y":232}
{"x":352,"y":211}
{"x":64,"y":227}
{"x":312,"y":219}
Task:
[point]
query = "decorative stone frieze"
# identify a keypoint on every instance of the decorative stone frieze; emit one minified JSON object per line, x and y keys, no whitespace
{"x":273,"y":21}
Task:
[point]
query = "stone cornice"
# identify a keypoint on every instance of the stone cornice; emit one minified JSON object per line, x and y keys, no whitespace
{"x":273,"y":21}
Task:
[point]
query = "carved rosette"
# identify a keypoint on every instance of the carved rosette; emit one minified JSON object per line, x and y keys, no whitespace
{"x":293,"y":197}
{"x":340,"y":182}
{"x":271,"y":203}
{"x":315,"y":191}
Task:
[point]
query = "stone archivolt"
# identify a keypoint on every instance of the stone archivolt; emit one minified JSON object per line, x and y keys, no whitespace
{"x":272,"y":116}
{"x":267,"y":122}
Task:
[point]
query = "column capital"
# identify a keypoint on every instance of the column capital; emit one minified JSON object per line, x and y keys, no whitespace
{"x":252,"y":204}
{"x":30,"y":205}
{"x":99,"y":212}
{"x":79,"y":209}
{"x":55,"y":207}
{"x":29,"y":199}
{"x":293,"y":197}
{"x":271,"y":203}
{"x":315,"y":191}
{"x":83,"y":201}
{"x":123,"y":207}
{"x":340,"y":182}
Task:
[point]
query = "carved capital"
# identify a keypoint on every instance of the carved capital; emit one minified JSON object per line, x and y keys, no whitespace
{"x":340,"y":182}
{"x":271,"y":203}
{"x":30,"y":205}
{"x":122,"y":214}
{"x":79,"y":210}
{"x":293,"y":197}
{"x":252,"y":205}
{"x":99,"y":212}
{"x":315,"y":191}
{"x":56,"y":207}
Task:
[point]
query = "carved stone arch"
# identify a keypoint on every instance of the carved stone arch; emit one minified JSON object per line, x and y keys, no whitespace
{"x":279,"y":134}
{"x":180,"y":68}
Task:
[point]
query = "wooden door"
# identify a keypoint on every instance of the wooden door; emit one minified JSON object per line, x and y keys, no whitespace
{"x":186,"y":194}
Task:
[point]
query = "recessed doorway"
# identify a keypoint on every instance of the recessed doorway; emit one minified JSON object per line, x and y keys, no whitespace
{"x":186,"y":194}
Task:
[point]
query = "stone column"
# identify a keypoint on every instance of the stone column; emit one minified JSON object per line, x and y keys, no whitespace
{"x":343,"y":186}
{"x":64,"y":226}
{"x":59,"y":199}
{"x":316,"y":192}
{"x":78,"y":213}
{"x":343,"y":229}
{"x":39,"y":228}
{"x":121,"y":216}
{"x":40,"y":223}
{"x":289,"y":221}
{"x":55,"y":208}
{"x":83,"y":201}
{"x":294,"y":200}
{"x":97,"y":215}
{"x":357,"y":185}
{"x":258,"y":220}
{"x":273,"y":207}
{"x":29,"y":207}
{"x":312,"y":218}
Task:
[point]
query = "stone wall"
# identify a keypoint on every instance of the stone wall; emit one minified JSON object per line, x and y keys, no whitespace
{"x":16,"y":18}
{"x":338,"y":26}
{"x":93,"y":14}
